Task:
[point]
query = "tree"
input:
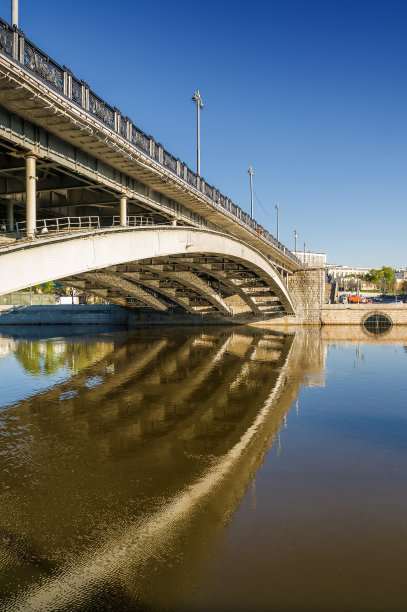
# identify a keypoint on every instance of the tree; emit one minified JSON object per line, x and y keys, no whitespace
{"x":388,"y":273}
{"x":385,"y":273}
{"x":374,"y":275}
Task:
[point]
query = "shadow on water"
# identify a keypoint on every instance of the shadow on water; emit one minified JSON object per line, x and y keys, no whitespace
{"x":125,"y":475}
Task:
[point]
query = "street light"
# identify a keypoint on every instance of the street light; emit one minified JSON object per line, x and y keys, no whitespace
{"x":250,"y":171}
{"x":296,"y":236}
{"x":199,"y":104}
{"x":304,"y":251}
{"x":14,"y":13}
{"x":277,"y":209}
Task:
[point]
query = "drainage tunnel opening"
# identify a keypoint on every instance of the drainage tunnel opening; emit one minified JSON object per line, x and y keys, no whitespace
{"x":377,"y":323}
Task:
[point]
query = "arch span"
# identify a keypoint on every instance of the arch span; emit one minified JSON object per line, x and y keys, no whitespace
{"x":156,"y":267}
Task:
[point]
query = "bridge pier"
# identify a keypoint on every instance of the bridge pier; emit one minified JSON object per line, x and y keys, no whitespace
{"x":31,"y":188}
{"x":123,"y":211}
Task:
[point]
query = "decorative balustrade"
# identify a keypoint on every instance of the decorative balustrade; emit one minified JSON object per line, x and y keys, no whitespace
{"x":14,"y":43}
{"x":123,"y":127}
{"x":140,"y":139}
{"x":6,"y":38}
{"x":76,"y":91}
{"x":103,"y":111}
{"x":43,"y":66}
{"x":169,"y":161}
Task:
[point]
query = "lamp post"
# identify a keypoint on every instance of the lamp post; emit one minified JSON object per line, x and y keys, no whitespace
{"x":304,"y":251}
{"x":250,"y":171}
{"x":14,"y":13}
{"x":295,"y":236}
{"x":199,"y":104}
{"x":277,"y":209}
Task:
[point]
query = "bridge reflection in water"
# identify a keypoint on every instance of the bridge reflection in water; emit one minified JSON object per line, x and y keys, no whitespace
{"x":118,"y":481}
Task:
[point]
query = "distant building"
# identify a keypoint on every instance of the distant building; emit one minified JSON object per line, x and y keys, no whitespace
{"x":311,"y":258}
{"x":342,"y":271}
{"x":400,"y":275}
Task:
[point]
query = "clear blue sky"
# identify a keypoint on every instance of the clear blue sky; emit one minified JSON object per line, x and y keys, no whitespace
{"x":312,"y":94}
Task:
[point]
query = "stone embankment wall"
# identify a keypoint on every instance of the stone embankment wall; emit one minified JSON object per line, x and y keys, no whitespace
{"x":63,"y":315}
{"x":95,"y":314}
{"x":355,"y":314}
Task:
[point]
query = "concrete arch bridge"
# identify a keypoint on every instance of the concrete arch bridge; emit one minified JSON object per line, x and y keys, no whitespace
{"x":200,"y":271}
{"x":65,"y":151}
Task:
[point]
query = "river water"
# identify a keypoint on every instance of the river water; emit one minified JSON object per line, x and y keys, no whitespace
{"x":203,"y":469}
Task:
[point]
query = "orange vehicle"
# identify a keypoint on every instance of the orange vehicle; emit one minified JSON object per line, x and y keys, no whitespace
{"x":354,"y":299}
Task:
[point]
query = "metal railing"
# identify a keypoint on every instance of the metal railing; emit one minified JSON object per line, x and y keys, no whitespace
{"x":14,"y":43}
{"x":135,"y":221}
{"x":61,"y":224}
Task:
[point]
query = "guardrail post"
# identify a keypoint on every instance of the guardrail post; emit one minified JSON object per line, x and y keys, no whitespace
{"x":152,"y":146}
{"x":15,"y":45}
{"x":202,"y":185}
{"x":21,"y":48}
{"x":160,"y":152}
{"x":178,"y":167}
{"x":117,"y":117}
{"x":123,"y":211}
{"x":65,"y":82}
{"x":85,"y":95}
{"x":31,"y":188}
{"x":128,"y":129}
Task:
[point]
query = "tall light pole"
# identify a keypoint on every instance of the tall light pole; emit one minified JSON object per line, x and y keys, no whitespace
{"x":250,"y":171}
{"x":14,"y":12}
{"x":277,"y":209}
{"x":296,"y":236}
{"x":199,"y":104}
{"x":304,"y":251}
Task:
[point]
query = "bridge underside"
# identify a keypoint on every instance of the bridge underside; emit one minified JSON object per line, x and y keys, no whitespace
{"x":201,"y":272}
{"x":204,"y":284}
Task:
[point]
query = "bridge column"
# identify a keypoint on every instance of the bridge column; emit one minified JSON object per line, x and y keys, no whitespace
{"x":123,"y":211}
{"x":10,"y":217}
{"x":31,"y":188}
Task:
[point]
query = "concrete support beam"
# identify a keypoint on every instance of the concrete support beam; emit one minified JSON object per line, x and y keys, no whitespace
{"x":166,"y":291}
{"x":125,"y":288}
{"x":123,"y":211}
{"x":31,"y":186}
{"x":10,"y":216}
{"x":231,"y":284}
{"x":188,"y":279}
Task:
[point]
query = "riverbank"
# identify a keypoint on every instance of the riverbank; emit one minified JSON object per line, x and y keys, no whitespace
{"x":109,"y":314}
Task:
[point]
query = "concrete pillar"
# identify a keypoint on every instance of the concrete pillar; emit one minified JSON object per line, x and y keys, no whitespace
{"x":10,"y":217}
{"x":31,"y":188}
{"x":174,"y":222}
{"x":123,"y":211}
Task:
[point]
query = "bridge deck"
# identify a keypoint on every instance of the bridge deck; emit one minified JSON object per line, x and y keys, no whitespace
{"x":74,"y":132}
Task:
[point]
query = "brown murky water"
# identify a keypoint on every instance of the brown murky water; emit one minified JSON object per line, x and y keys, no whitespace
{"x":215,"y":469}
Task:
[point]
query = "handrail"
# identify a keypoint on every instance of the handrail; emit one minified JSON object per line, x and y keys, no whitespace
{"x":14,"y":43}
{"x":135,"y":220}
{"x":61,"y":224}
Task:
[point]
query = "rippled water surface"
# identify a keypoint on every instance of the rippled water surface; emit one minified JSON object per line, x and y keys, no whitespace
{"x":203,"y":469}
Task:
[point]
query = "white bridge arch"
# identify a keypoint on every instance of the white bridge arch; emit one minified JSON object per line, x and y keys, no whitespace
{"x":155,"y":267}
